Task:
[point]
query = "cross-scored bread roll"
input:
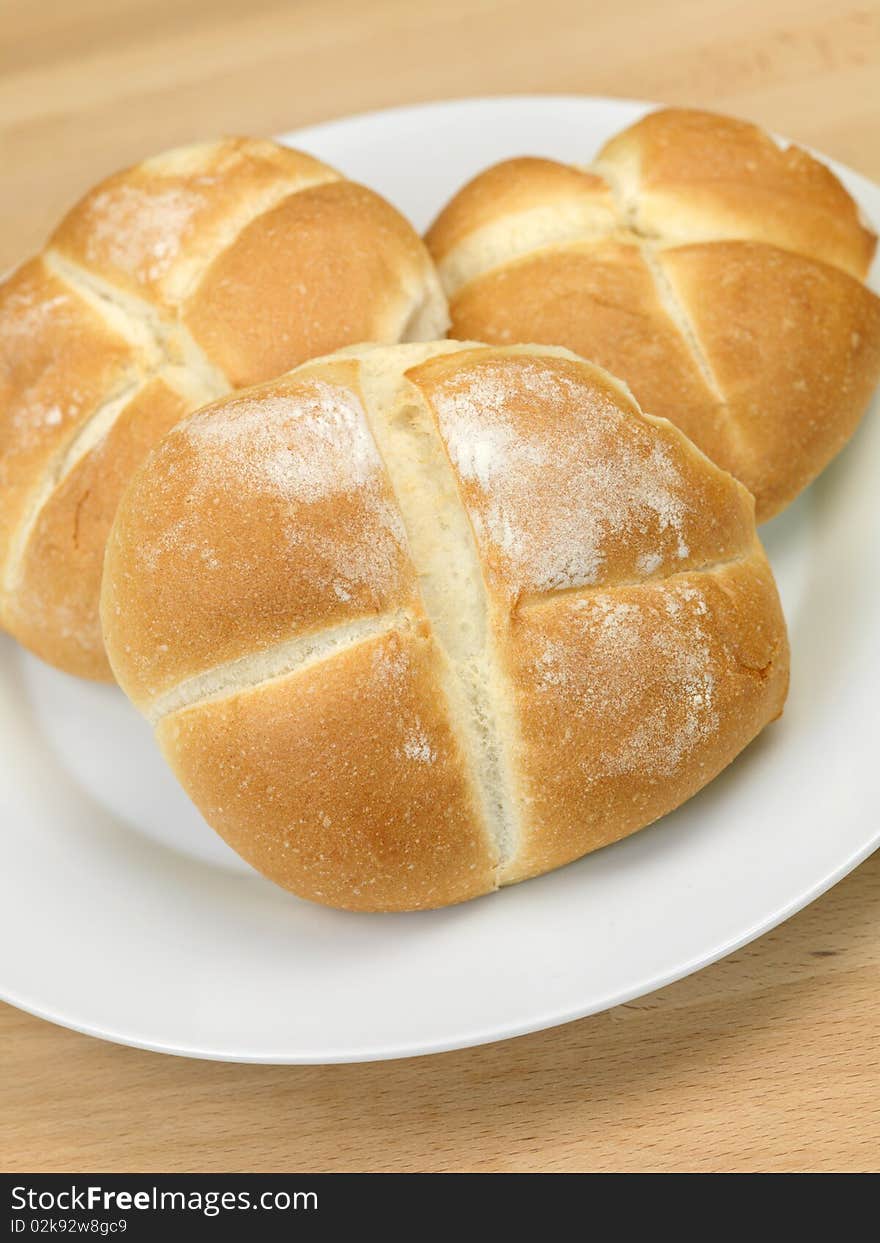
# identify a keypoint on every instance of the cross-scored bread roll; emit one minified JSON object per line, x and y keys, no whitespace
{"x":415,"y":622}
{"x":718,"y":274}
{"x":201,"y":270}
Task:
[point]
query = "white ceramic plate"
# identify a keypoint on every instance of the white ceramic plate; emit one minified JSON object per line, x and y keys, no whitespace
{"x":122,"y":915}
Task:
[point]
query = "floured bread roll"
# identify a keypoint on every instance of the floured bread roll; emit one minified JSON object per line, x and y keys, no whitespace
{"x":716,"y":273}
{"x":415,"y":622}
{"x":198,"y":271}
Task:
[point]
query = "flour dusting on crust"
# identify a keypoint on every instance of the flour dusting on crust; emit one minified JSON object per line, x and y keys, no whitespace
{"x":28,"y":318}
{"x":58,"y":364}
{"x":549,"y":499}
{"x":304,"y":447}
{"x":139,"y":231}
{"x":297,"y":451}
{"x":647,"y":663}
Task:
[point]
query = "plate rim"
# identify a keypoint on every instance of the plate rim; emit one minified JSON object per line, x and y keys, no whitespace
{"x":485,"y":1037}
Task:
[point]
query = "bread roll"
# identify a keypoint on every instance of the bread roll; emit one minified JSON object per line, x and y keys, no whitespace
{"x":200,"y":270}
{"x":718,"y":274}
{"x":412,"y":623}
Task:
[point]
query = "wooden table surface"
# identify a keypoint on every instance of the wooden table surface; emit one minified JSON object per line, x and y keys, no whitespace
{"x":768,"y":1060}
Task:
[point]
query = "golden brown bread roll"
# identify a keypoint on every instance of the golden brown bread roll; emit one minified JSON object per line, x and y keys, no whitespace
{"x":415,"y":622}
{"x":202,"y":269}
{"x":716,"y":273}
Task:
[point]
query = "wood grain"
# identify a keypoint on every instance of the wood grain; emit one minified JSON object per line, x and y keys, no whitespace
{"x":768,"y":1060}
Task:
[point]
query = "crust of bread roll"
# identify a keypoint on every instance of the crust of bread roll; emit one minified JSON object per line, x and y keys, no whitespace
{"x":197,"y":271}
{"x":62,"y":365}
{"x":634,"y":679}
{"x":471,"y":615}
{"x":327,"y":267}
{"x":811,"y":360}
{"x":516,"y":207}
{"x":152,"y":230}
{"x":522,"y":266}
{"x":277,"y":565}
{"x":59,"y":577}
{"x":59,"y":361}
{"x":602,"y":299}
{"x":380,"y":812}
{"x":686,"y":176}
